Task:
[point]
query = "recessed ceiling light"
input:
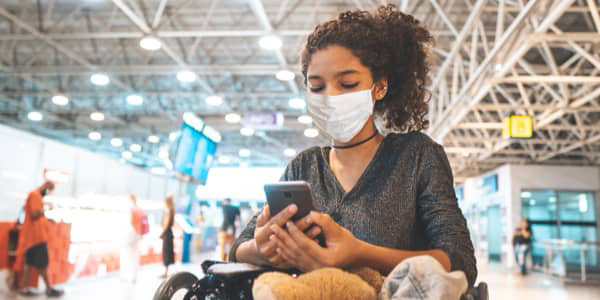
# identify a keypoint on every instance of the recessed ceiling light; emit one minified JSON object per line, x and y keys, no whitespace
{"x":97,"y":116}
{"x":232,"y":118}
{"x":247,"y":131}
{"x":135,"y":100}
{"x":95,"y":136}
{"x":213,"y":100}
{"x":285,"y":75}
{"x":150,"y":43}
{"x":186,"y":76}
{"x":305,"y":119}
{"x":245,"y":152}
{"x":297,"y":103}
{"x":135,"y":148}
{"x":153,"y":139}
{"x":35,"y":116}
{"x":100,"y":79}
{"x":60,"y":100}
{"x":270,"y":42}
{"x":311,"y":132}
{"x":116,"y":142}
{"x":224,"y":159}
{"x":127,"y":155}
{"x":289,"y":152}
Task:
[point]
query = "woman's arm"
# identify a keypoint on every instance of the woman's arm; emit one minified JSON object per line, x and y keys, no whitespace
{"x":385,"y":259}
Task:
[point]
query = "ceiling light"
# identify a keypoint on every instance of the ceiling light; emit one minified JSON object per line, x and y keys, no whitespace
{"x":244,"y":153}
{"x":247,"y":131}
{"x":289,"y":152}
{"x":95,"y":136}
{"x":525,"y":194}
{"x":61,"y":100}
{"x":213,"y":100}
{"x":232,"y":118}
{"x":116,"y":142}
{"x":100,"y":79}
{"x":311,"y":132}
{"x":305,"y":119}
{"x":297,"y":103}
{"x":97,"y":116}
{"x":186,"y":76}
{"x":270,"y":42}
{"x":173,"y":136}
{"x":224,"y":159}
{"x":127,"y":155}
{"x":163,"y":154}
{"x":285,"y":75}
{"x":35,"y":116}
{"x":153,"y":139}
{"x":150,"y":43}
{"x":135,"y":148}
{"x":135,"y":100}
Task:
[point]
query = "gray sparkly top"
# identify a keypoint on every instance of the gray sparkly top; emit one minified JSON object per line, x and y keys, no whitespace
{"x":404,"y":199}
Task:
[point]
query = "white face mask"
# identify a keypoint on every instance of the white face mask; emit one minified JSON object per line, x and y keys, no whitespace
{"x":341,"y":117}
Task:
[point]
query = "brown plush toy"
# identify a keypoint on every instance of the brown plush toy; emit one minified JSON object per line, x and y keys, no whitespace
{"x":326,"y":283}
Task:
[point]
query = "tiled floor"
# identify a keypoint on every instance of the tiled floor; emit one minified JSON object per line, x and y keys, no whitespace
{"x":503,"y":284}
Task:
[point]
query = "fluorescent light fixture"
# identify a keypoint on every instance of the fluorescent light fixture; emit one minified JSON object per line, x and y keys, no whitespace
{"x":289,"y":152}
{"x":297,"y":103}
{"x":213,"y":100}
{"x":305,"y":119}
{"x":525,"y":194}
{"x":224,"y":159}
{"x":270,"y":42}
{"x":135,"y":100}
{"x":583,"y":203}
{"x":232,"y":118}
{"x":552,"y":199}
{"x":285,"y":75}
{"x":244,"y":153}
{"x":186,"y":76}
{"x":150,"y":43}
{"x":173,"y":136}
{"x":97,"y":116}
{"x":311,"y":132}
{"x":60,"y":100}
{"x":35,"y":116}
{"x":247,"y":131}
{"x":100,"y":79}
{"x":135,"y":148}
{"x":127,"y":155}
{"x":95,"y":136}
{"x":153,"y":139}
{"x":116,"y":142}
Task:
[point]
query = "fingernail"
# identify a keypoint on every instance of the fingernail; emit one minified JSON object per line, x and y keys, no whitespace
{"x":308,"y":220}
{"x":289,"y":224}
{"x":271,"y":237}
{"x":292,"y":207}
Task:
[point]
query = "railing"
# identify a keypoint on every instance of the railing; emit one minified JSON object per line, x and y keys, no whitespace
{"x":557,"y":247}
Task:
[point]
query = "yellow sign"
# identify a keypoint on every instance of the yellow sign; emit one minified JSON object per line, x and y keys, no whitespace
{"x":518,"y":127}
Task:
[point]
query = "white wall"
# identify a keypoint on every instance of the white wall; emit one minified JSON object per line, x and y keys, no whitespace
{"x":24,"y":157}
{"x":511,"y":180}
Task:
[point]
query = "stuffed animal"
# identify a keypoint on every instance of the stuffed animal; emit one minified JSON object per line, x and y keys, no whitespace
{"x":326,"y":283}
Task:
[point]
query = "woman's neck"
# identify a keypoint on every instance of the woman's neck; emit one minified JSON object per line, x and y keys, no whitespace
{"x":361,"y":152}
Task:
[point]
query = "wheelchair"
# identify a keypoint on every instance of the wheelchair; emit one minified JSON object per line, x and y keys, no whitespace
{"x":232,"y":281}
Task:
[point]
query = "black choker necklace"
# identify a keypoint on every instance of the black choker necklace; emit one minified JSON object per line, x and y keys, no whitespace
{"x":356,"y":144}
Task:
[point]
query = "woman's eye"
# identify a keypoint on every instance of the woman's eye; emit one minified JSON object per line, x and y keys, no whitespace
{"x":316,"y":89}
{"x":349,"y":85}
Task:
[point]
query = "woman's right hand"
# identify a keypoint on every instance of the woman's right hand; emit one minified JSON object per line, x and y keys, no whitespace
{"x":263,"y":236}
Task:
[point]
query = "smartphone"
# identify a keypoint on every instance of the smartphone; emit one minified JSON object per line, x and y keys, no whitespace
{"x":282,"y":194}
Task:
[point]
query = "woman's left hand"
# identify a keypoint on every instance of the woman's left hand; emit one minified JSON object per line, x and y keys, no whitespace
{"x":306,"y":254}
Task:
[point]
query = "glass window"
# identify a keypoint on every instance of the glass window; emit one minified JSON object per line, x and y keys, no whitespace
{"x":577,"y":206}
{"x":539,"y":205}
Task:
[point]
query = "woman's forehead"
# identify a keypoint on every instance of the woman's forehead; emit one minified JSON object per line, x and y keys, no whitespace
{"x":333,"y":60}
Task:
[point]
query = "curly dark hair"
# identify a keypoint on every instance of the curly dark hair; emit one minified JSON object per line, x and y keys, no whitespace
{"x":394,"y":46}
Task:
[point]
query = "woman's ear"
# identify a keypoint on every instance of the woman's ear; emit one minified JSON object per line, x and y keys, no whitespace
{"x":381,"y":88}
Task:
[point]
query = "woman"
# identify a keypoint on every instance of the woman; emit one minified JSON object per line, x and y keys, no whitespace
{"x":168,"y":255}
{"x":522,"y":245}
{"x":384,"y":199}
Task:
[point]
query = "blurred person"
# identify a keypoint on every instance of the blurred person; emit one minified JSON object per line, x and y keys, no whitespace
{"x":33,"y":239}
{"x":227,"y":233}
{"x":130,"y":254}
{"x":168,"y":254}
{"x":522,"y":240}
{"x":383,"y":189}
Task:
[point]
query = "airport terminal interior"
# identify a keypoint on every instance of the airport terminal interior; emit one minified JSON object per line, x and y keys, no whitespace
{"x":139,"y":138}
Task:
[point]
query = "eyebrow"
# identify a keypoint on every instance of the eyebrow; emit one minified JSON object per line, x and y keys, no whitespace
{"x":338,"y":74}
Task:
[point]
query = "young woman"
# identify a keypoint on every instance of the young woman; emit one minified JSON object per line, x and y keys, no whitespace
{"x":168,"y":255}
{"x":384,"y":199}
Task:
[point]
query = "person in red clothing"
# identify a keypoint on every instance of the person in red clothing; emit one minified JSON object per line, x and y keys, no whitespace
{"x":34,"y":240}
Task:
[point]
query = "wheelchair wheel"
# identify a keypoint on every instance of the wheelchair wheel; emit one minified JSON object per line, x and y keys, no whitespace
{"x":173,"y":284}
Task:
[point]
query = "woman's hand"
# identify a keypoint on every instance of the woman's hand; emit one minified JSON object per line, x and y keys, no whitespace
{"x":265,"y":246}
{"x":304,"y":253}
